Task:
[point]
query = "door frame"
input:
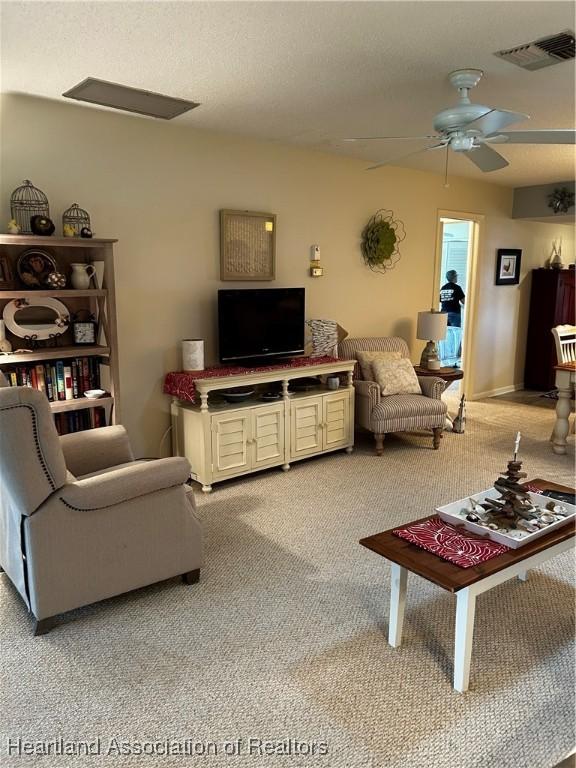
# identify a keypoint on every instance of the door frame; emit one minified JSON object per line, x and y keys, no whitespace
{"x":472,"y":288}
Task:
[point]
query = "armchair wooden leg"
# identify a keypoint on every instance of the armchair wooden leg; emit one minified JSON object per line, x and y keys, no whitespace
{"x":42,"y":626}
{"x":437,"y":436}
{"x":192,"y":577}
{"x":379,"y":444}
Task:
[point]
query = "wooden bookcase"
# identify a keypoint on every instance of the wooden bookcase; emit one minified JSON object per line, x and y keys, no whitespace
{"x":98,"y":301}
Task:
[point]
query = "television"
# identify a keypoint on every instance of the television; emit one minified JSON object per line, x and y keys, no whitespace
{"x":260,"y":324}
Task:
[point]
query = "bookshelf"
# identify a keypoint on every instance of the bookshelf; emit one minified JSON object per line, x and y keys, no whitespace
{"x":99,"y":301}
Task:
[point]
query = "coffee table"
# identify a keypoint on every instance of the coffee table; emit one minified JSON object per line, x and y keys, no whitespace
{"x":466,"y":583}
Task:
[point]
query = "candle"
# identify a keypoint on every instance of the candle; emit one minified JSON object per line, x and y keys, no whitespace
{"x":516,"y":445}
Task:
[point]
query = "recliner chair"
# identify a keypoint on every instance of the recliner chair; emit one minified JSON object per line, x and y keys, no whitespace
{"x":80,"y":519}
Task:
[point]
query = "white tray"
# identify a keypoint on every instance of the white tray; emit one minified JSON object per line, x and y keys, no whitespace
{"x":452,"y":513}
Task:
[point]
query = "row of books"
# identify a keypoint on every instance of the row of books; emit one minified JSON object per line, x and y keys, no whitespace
{"x":77,"y":421}
{"x":59,"y":380}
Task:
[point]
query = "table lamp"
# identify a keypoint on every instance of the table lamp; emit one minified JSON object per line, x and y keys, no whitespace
{"x":431,"y":328}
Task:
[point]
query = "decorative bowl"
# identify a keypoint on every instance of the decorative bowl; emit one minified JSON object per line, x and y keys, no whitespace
{"x":237,"y":395}
{"x":94,"y":394}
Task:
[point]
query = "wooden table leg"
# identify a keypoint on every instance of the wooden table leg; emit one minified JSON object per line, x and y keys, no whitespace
{"x":398,"y":581}
{"x":561,"y":427}
{"x":465,"y":609}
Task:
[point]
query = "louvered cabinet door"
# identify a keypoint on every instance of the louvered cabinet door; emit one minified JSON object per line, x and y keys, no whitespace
{"x":336,"y":420}
{"x":305,"y":426}
{"x":267,"y":439}
{"x":230,"y":446}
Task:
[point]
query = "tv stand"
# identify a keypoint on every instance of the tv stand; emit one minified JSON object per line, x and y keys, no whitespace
{"x":223,"y":440}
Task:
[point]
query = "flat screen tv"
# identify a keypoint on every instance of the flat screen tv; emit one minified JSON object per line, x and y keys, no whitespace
{"x":260,"y":324}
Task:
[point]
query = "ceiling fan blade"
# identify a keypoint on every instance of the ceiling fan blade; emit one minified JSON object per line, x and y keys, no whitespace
{"x":394,"y":138}
{"x":553,"y":136}
{"x":494,"y":120}
{"x":394,"y":160}
{"x":486,"y":158}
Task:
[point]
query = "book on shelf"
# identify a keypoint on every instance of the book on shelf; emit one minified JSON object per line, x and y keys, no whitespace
{"x":78,"y":421}
{"x":60,"y":380}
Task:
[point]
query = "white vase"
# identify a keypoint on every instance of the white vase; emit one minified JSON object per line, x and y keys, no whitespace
{"x":556,"y":258}
{"x":81,"y":275}
{"x":5,"y":345}
{"x":193,"y":355}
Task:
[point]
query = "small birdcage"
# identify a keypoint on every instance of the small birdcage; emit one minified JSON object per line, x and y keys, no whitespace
{"x":27,"y":201}
{"x":77,"y":218}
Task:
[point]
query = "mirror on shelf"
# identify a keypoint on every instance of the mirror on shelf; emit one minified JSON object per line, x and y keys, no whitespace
{"x":36,"y":319}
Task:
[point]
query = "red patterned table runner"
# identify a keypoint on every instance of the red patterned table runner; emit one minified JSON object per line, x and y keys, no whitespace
{"x":463,"y":549}
{"x":182,"y":385}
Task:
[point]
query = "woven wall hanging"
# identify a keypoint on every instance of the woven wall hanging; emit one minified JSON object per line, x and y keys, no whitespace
{"x":380,"y":240}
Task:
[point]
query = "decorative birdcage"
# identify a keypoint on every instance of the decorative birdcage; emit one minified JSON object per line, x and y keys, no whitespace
{"x":76,"y":218}
{"x":27,"y":201}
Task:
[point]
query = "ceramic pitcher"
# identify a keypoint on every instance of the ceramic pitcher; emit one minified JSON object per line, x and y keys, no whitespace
{"x":81,"y":274}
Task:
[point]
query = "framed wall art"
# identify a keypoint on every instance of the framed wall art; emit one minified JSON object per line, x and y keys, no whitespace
{"x":508,"y":266}
{"x":247,"y":245}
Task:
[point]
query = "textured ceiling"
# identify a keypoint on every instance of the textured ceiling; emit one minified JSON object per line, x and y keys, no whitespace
{"x":307,"y":73}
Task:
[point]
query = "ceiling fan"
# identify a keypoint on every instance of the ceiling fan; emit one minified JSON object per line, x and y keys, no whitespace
{"x":471,"y":128}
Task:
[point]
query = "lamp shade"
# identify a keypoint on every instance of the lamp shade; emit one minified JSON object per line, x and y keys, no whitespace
{"x":431,"y":325}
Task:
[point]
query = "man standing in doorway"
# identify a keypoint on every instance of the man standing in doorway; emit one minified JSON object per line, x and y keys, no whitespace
{"x":452,"y":297}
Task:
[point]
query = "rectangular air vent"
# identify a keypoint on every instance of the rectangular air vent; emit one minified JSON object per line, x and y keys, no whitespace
{"x":541,"y":53}
{"x":129,"y":99}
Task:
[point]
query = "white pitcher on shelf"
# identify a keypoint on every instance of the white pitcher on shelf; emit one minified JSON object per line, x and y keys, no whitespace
{"x":81,"y":276}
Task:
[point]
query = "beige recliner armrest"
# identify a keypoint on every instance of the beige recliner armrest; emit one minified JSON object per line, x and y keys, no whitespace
{"x":120,"y":485}
{"x":96,"y":449}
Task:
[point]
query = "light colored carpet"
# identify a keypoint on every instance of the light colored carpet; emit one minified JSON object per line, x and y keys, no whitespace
{"x":285,"y":636}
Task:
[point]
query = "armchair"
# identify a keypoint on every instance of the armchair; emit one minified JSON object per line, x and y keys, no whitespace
{"x":394,"y":413}
{"x":80,"y":519}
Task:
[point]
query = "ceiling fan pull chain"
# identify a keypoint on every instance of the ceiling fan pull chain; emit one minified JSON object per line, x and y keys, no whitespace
{"x":446,"y":184}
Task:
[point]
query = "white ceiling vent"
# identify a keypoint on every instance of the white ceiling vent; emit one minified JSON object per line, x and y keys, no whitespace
{"x":541,"y":53}
{"x":129,"y":99}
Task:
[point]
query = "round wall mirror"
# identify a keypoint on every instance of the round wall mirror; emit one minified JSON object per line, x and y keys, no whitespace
{"x":41,"y":318}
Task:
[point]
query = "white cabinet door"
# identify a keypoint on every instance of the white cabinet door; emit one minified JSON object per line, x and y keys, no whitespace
{"x":230,"y":448}
{"x":268,"y":436}
{"x":336,"y":420}
{"x":305,"y":429}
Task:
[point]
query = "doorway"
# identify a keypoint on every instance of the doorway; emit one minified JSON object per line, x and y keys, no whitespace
{"x":454,"y":290}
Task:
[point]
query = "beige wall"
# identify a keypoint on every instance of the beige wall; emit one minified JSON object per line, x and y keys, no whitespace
{"x":158,"y":188}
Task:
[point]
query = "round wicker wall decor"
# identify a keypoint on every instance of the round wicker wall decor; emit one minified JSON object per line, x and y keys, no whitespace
{"x":380,"y":240}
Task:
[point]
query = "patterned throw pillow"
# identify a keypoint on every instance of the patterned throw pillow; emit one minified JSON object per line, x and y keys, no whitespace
{"x":396,"y":377}
{"x":366,"y":358}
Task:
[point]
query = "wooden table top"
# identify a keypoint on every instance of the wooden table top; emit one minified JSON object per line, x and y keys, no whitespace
{"x":448,"y":374}
{"x":571,"y":366}
{"x":453,"y":577}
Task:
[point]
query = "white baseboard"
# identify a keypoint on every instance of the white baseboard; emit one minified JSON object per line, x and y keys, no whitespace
{"x":496,"y":392}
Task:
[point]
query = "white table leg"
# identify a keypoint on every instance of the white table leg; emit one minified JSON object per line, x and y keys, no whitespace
{"x":562,"y":427}
{"x":465,"y":609}
{"x":399,"y":579}
{"x":523,"y":575}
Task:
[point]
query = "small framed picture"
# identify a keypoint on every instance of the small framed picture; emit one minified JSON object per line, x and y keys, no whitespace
{"x":6,"y":274}
{"x":508,"y":266}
